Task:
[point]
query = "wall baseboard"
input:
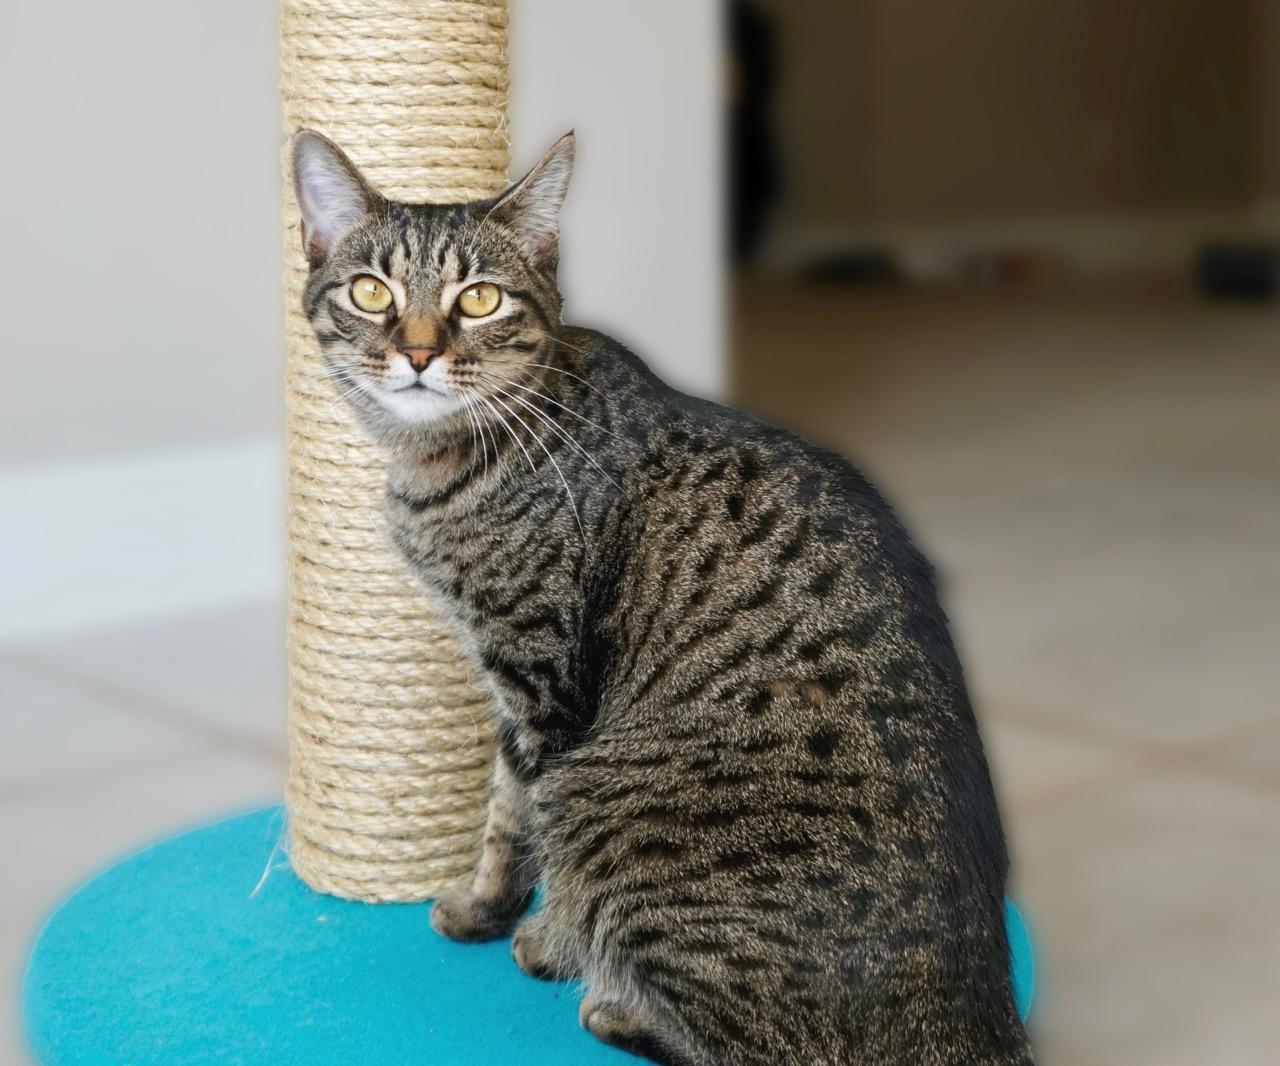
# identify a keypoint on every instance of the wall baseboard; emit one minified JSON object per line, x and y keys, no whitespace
{"x":95,"y":545}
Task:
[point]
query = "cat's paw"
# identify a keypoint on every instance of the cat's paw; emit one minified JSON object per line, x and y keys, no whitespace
{"x":529,"y":949}
{"x":460,"y":915}
{"x":622,"y":1026}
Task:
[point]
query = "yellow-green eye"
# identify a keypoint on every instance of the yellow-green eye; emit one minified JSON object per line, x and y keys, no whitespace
{"x":369,"y":294}
{"x":479,"y":300}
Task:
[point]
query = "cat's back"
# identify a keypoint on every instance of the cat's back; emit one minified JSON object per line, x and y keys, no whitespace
{"x":774,"y":783}
{"x":720,"y":484}
{"x":775,"y":618}
{"x":669,"y":429}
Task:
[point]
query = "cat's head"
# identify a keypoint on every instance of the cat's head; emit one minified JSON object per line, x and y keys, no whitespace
{"x":426,"y":312}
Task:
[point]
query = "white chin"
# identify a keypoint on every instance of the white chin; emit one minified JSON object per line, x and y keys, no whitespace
{"x":419,"y":406}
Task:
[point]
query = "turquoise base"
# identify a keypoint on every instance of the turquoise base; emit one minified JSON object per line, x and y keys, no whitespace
{"x":178,"y":956}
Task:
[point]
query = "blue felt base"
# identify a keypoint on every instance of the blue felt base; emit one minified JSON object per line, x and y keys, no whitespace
{"x":171,"y":959}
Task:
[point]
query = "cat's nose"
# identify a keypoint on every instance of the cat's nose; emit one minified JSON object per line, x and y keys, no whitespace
{"x":419,"y":357}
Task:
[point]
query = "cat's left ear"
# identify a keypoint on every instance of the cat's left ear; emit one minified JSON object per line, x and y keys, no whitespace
{"x":531,"y":207}
{"x":333,"y":196}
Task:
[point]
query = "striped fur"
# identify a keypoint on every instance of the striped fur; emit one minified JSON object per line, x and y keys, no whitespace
{"x":735,"y":739}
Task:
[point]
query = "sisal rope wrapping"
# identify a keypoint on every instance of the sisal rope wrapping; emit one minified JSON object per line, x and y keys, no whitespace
{"x":390,"y":736}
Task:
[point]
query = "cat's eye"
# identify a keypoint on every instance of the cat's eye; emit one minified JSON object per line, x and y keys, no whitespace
{"x":369,"y":294}
{"x":479,"y":300}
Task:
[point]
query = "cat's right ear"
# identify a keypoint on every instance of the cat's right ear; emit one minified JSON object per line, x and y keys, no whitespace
{"x":333,"y":196}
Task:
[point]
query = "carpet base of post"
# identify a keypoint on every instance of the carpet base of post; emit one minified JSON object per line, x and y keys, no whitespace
{"x":208,"y":949}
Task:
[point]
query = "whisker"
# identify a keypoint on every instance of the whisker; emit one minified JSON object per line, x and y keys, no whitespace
{"x":557,"y":340}
{"x":567,"y":373}
{"x":572,"y":504}
{"x":472,"y":423}
{"x":484,"y":421}
{"x":332,"y":370}
{"x":329,"y":371}
{"x":510,"y":432}
{"x":474,"y":409}
{"x":561,"y":431}
{"x":569,"y":410}
{"x":347,"y":389}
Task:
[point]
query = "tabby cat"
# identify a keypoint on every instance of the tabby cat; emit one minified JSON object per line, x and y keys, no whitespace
{"x":735,"y":742}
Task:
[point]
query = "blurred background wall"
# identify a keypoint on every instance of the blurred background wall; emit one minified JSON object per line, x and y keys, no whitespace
{"x":1117,"y":133}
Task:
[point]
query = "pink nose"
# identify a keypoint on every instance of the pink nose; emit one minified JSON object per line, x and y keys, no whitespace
{"x":419,"y":358}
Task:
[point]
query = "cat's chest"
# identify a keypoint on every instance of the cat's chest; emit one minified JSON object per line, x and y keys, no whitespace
{"x":431,"y":547}
{"x":483,"y":555}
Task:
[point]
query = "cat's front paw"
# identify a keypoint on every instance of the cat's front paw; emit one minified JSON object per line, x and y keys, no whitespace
{"x":460,"y":915}
{"x":533,"y":955}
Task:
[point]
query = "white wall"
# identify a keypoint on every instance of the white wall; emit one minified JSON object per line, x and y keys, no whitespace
{"x":139,"y":288}
{"x":640,"y":82}
{"x":140,"y":306}
{"x":139,"y":278}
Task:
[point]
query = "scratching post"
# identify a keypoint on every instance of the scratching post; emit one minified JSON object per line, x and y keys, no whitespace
{"x":390,"y":738}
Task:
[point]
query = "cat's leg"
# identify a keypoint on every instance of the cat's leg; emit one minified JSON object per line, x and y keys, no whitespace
{"x":503,"y":885}
{"x":629,"y":1027}
{"x":533,"y":948}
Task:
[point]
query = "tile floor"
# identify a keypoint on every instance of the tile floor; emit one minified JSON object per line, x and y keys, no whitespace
{"x":114,"y":739}
{"x":1099,"y":484}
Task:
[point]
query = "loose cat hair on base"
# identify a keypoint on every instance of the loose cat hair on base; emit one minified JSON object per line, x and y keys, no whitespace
{"x":735,"y":741}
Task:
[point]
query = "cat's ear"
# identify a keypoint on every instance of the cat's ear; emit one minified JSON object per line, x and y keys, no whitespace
{"x":332,"y":194}
{"x":531,"y":207}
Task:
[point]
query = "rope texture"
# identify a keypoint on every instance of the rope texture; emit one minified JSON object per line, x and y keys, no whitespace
{"x":390,"y":735}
